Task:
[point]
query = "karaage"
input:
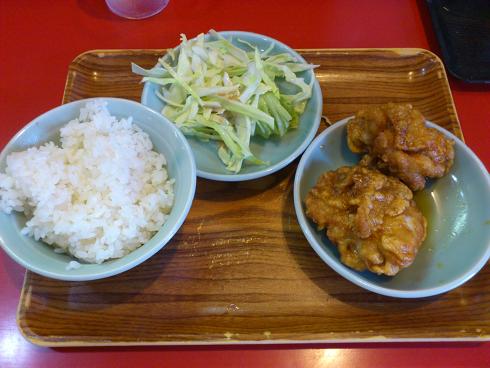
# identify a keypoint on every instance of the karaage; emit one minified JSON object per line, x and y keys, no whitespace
{"x":398,"y":142}
{"x":371,"y":217}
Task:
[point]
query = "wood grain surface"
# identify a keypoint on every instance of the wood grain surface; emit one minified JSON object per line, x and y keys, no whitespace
{"x":240,"y":269}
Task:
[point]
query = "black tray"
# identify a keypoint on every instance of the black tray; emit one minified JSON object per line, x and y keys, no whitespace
{"x":462,"y":28}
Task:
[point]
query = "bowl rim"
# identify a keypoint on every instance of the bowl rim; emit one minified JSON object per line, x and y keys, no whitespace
{"x":112,"y":271}
{"x":338,"y":267}
{"x":316,"y":93}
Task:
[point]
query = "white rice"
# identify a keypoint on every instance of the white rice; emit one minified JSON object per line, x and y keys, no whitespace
{"x":72,"y":265}
{"x":103,"y":193}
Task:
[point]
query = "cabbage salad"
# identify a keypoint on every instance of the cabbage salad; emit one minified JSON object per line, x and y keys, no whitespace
{"x":216,"y":91}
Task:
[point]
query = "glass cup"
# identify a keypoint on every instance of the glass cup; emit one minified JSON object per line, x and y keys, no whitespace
{"x":136,"y":9}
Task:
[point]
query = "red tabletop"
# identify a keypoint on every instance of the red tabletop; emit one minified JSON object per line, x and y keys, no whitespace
{"x":40,"y":38}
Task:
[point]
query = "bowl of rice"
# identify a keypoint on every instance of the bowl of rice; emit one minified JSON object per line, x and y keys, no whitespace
{"x":93,"y":188}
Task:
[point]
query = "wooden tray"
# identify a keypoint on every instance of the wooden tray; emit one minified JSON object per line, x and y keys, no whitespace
{"x":240,"y":269}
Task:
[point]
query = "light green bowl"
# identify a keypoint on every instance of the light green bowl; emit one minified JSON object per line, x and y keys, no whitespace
{"x":166,"y":138}
{"x":457,"y":208}
{"x":279,"y":152}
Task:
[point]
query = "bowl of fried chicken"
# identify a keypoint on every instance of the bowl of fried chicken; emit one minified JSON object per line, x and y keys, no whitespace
{"x":394,"y":203}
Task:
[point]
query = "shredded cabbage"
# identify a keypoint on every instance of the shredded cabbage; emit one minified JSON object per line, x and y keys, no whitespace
{"x":214,"y":90}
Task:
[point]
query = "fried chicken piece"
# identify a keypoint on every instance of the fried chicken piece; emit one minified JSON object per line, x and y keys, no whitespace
{"x":369,"y":216}
{"x":398,"y":142}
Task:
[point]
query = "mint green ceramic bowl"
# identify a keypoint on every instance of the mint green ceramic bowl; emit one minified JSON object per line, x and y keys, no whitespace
{"x":457,"y":208}
{"x":39,"y":257}
{"x":278,"y":151}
